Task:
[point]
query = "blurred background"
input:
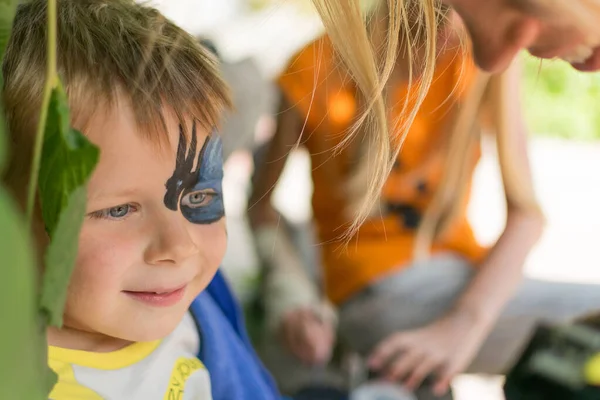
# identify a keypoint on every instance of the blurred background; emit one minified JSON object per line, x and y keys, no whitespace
{"x":256,"y":38}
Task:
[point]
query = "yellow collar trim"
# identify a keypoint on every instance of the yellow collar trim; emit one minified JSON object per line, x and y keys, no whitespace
{"x":118,"y":359}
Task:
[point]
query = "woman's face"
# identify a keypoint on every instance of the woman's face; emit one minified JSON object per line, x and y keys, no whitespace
{"x":501,"y":28}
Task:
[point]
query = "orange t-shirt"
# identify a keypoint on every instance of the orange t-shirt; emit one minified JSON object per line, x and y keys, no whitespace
{"x":324,"y":96}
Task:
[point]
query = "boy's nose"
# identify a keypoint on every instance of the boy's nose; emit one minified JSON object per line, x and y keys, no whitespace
{"x":171,"y":242}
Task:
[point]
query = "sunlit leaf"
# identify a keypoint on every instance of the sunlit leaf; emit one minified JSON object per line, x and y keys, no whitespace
{"x":20,"y":357}
{"x":68,"y":160}
{"x":60,"y":257}
{"x":3,"y":139}
{"x":19,"y":354}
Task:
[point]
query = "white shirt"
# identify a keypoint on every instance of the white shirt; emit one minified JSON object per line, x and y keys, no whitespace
{"x":164,"y":369}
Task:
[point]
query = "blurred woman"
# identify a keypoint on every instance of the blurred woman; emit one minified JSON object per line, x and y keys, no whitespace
{"x":415,"y":291}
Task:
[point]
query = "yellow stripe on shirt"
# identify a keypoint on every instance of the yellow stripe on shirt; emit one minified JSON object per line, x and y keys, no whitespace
{"x":184,"y":367}
{"x":122,"y":358}
{"x":67,"y":387}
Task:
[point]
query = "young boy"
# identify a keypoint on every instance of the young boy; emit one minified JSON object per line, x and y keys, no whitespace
{"x":137,"y":323}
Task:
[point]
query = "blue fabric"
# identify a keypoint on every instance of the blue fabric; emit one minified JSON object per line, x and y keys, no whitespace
{"x":236,"y":372}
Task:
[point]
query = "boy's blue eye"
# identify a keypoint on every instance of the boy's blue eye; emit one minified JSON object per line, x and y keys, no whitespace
{"x":119,"y":211}
{"x":115,"y":213}
{"x":197,"y":199}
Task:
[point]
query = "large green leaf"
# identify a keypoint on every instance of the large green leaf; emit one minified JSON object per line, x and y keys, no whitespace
{"x":3,"y":140}
{"x":60,"y":257}
{"x":68,"y":160}
{"x":19,"y":336}
{"x":19,"y":352}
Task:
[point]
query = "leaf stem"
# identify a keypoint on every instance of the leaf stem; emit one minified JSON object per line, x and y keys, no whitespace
{"x":51,"y":83}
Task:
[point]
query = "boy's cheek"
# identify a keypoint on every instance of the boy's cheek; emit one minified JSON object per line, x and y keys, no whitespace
{"x":97,"y":279}
{"x":212,"y":242}
{"x":212,"y":239}
{"x":105,"y":253}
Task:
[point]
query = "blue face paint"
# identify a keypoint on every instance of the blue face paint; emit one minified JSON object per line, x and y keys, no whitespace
{"x":197,"y":192}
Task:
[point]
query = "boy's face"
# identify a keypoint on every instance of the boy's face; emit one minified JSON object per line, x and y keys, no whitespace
{"x":154,"y":233}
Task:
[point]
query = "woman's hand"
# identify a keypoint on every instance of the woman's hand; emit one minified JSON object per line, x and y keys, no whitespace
{"x":308,"y":336}
{"x":442,"y":349}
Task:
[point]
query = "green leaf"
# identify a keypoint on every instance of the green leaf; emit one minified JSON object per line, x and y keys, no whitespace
{"x":3,"y":141}
{"x":7,"y":14}
{"x":48,"y":377}
{"x":50,"y":380}
{"x":60,"y":257}
{"x":68,"y":160}
{"x":19,"y":355}
{"x":20,"y":360}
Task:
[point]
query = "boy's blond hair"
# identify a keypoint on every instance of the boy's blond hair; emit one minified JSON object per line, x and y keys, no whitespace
{"x":106,"y":47}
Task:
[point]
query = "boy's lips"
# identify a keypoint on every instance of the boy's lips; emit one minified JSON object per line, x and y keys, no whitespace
{"x":158,"y":297}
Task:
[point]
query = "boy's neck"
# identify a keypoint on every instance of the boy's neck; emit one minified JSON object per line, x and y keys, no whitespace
{"x":74,"y":339}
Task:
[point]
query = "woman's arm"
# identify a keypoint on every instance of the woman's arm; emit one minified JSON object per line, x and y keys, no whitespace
{"x":286,"y":285}
{"x":447,"y":346}
{"x":268,"y":170}
{"x":293,"y":305}
{"x":499,"y":276}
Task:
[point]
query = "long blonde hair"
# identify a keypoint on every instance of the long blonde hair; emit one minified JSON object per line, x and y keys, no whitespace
{"x":348,"y":32}
{"x":347,"y":29}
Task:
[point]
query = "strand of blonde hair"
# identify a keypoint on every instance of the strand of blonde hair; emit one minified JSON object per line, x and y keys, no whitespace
{"x":346,"y":27}
{"x":444,"y":204}
{"x":451,"y":193}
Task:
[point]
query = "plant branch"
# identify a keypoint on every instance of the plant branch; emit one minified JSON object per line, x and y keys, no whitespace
{"x":51,"y":83}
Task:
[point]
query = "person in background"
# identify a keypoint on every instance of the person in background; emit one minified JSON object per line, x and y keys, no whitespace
{"x":415,"y":292}
{"x":498,"y":29}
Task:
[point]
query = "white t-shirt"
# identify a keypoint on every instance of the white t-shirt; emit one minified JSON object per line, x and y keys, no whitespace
{"x":164,"y":369}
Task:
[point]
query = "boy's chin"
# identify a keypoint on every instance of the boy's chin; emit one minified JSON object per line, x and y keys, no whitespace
{"x":112,"y":328}
{"x":143,"y":323}
{"x":150,"y":329}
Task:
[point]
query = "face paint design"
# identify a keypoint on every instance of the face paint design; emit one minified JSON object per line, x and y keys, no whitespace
{"x":197,"y":192}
